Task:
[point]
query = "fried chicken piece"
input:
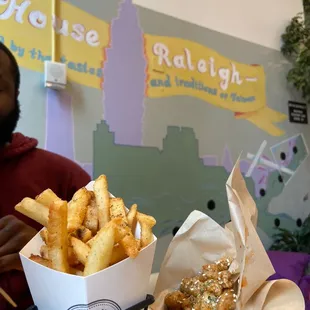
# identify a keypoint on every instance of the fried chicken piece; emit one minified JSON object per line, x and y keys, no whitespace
{"x":202,"y":306}
{"x":227,"y":301}
{"x":191,"y":286}
{"x":225,"y":279}
{"x":174,"y":300}
{"x":213,"y":287}
{"x":210,"y":290}
{"x":208,"y":301}
{"x":223,"y":264}
{"x":189,"y":302}
{"x":209,"y":271}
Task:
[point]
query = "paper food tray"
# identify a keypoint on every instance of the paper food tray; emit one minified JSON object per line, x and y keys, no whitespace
{"x":201,"y":240}
{"x":117,"y":287}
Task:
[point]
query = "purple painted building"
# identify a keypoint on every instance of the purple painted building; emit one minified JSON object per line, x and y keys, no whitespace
{"x":124,"y":77}
{"x":59,"y":124}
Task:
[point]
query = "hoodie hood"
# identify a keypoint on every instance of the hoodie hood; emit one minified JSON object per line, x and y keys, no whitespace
{"x":20,"y":145}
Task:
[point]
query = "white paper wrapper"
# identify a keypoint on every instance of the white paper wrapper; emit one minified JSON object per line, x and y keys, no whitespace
{"x":201,"y":240}
{"x":117,"y":287}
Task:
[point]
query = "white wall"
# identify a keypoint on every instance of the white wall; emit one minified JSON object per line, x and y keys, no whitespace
{"x":261,"y":22}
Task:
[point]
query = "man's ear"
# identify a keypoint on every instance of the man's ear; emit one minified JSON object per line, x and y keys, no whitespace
{"x":17,"y":93}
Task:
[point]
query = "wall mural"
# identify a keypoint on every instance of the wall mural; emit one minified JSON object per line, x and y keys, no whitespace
{"x":175,"y":180}
{"x":138,"y":72}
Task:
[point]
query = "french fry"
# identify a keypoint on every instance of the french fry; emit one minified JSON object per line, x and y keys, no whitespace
{"x":76,"y":272}
{"x":77,"y":209}
{"x":118,"y":254}
{"x":147,"y":222}
{"x":117,"y":209}
{"x":80,"y":267}
{"x":124,"y":236}
{"x":80,"y":249}
{"x":58,"y":236}
{"x":79,"y":273}
{"x":130,"y":245}
{"x":100,"y":254}
{"x":34,"y":210}
{"x":128,"y":242}
{"x":82,"y":233}
{"x":44,"y":235}
{"x":91,"y":217}
{"x":132,"y":217}
{"x":90,"y":242}
{"x":121,"y":230}
{"x":72,"y":259}
{"x":47,"y":197}
{"x":44,"y":251}
{"x":38,"y":259}
{"x":103,"y":200}
{"x":88,"y":234}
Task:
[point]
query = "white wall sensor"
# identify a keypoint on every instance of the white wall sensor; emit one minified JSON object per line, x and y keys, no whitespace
{"x":55,"y":75}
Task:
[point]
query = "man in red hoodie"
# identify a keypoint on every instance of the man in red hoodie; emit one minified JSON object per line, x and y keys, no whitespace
{"x":25,"y":171}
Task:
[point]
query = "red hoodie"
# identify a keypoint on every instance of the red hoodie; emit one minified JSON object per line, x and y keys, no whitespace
{"x":26,"y":171}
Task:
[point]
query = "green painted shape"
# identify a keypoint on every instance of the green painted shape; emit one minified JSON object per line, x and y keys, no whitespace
{"x":274,"y":188}
{"x":168,"y":184}
{"x":171,"y":183}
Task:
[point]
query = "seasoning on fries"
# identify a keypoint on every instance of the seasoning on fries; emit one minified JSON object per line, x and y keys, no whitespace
{"x":89,"y":233}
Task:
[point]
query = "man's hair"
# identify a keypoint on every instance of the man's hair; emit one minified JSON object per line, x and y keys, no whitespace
{"x":14,"y":65}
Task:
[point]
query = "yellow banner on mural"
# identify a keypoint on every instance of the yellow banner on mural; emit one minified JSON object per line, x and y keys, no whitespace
{"x":26,"y":28}
{"x":178,"y":67}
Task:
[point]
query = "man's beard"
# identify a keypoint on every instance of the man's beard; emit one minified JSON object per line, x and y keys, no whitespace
{"x":8,"y":125}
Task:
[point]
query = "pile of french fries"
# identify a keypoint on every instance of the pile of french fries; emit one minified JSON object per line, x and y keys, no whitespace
{"x":88,"y":234}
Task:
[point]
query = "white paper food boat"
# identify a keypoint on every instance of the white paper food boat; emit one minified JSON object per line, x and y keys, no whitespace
{"x":117,"y":287}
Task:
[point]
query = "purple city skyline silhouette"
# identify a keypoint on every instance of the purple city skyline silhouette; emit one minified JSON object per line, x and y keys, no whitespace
{"x":59,"y":134}
{"x":125,"y":77}
{"x":123,"y":95}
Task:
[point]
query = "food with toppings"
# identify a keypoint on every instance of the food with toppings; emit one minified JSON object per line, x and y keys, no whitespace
{"x":211,"y":289}
{"x":89,"y":233}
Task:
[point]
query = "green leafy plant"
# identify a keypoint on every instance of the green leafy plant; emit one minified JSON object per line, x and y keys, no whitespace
{"x":297,"y":241}
{"x":296,"y":47}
